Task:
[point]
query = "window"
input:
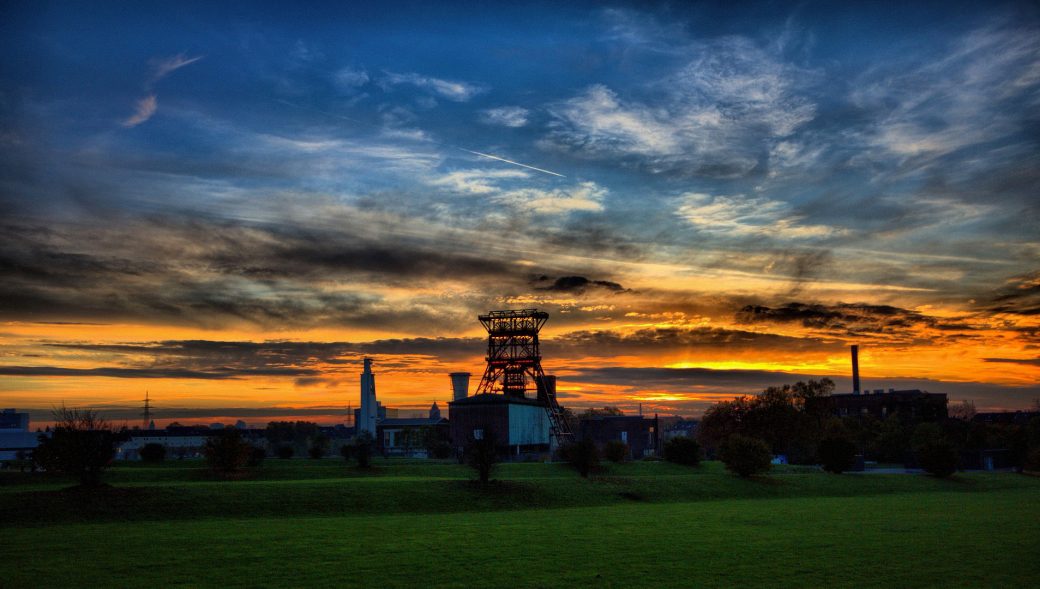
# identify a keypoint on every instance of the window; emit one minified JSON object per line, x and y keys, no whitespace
{"x":624,"y":437}
{"x":478,"y":434}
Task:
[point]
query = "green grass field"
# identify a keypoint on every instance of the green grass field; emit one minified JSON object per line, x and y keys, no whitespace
{"x":307,"y":523}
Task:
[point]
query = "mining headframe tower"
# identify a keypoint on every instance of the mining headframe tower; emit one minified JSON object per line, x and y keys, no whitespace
{"x":514,"y":362}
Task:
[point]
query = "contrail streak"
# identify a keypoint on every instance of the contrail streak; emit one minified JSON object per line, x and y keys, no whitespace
{"x":428,"y":140}
{"x":502,"y":159}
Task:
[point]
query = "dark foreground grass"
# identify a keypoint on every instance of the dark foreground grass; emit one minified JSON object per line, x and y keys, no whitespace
{"x":319,"y":523}
{"x":307,"y":488}
{"x":900,"y":540}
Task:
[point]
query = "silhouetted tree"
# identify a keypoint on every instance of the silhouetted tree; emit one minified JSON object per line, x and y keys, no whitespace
{"x":965,"y":411}
{"x":291,"y":433}
{"x":319,"y":446}
{"x":436,"y":442}
{"x":226,"y":452}
{"x":615,"y":451}
{"x":1032,"y":463}
{"x":682,"y":450}
{"x":482,"y":455}
{"x":347,"y":452}
{"x":780,"y":416}
{"x":745,"y":456}
{"x":153,"y":452}
{"x":836,"y":454}
{"x":364,"y":444}
{"x":603,"y":412}
{"x":934,"y":452}
{"x":82,"y":444}
{"x":937,"y":457}
{"x":583,"y":456}
{"x":256,"y":456}
{"x":285,"y":451}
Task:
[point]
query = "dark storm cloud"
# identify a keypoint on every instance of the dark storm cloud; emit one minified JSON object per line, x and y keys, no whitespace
{"x":608,"y":343}
{"x":207,"y":359}
{"x":1020,"y":296}
{"x":847,"y":318}
{"x":207,"y":272}
{"x":576,"y":284}
{"x":111,"y":372}
{"x":1023,"y":361}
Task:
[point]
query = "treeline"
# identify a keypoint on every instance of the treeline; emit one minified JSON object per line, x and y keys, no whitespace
{"x":790,"y":424}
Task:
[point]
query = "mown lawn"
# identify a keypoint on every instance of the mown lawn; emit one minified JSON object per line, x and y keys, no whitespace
{"x":305,"y":523}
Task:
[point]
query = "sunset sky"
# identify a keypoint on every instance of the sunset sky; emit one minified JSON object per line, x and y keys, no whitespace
{"x":229,"y":208}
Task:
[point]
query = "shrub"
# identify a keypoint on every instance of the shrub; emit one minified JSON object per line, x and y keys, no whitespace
{"x":363,"y":444}
{"x":226,"y":451}
{"x":285,"y":451}
{"x":82,"y":444}
{"x":153,"y":452}
{"x":1032,"y":463}
{"x":682,"y":450}
{"x":440,"y":449}
{"x":481,"y":455}
{"x":836,"y":454}
{"x":615,"y":451}
{"x":745,"y":456}
{"x":256,"y":457}
{"x":319,"y":446}
{"x":583,"y":456}
{"x":347,"y":452}
{"x":937,"y":457}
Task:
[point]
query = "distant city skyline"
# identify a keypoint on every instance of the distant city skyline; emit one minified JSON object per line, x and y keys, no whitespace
{"x":230,"y":207}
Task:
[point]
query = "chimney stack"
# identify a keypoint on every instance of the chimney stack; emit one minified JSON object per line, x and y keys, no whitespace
{"x":855,"y":370}
{"x":459,"y":385}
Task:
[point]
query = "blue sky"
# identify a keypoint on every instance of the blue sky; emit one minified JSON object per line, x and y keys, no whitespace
{"x":389,"y":169}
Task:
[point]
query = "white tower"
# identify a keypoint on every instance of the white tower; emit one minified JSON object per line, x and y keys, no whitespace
{"x":367,"y":416}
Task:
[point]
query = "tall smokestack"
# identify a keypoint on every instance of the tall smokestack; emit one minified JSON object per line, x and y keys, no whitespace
{"x":369,"y":413}
{"x":855,"y":370}
{"x":459,"y":385}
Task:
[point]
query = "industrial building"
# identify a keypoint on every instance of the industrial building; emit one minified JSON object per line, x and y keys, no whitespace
{"x":15,"y":437}
{"x":912,"y":404}
{"x":412,"y":437}
{"x":640,"y":434}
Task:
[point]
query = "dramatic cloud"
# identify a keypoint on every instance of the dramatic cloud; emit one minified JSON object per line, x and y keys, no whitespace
{"x":217,"y":374}
{"x":578,"y":284}
{"x":1019,"y":296}
{"x":849,"y":318}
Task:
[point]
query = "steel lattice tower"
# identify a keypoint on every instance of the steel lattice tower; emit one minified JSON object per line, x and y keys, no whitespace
{"x":513,"y":356}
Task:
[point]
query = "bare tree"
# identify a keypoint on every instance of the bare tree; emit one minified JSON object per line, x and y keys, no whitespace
{"x":81,"y":444}
{"x":964,"y":410}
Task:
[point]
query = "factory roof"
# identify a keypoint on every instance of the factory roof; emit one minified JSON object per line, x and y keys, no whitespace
{"x":410,"y":421}
{"x":495,"y":399}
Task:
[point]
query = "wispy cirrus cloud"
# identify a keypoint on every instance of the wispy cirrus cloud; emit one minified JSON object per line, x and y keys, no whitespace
{"x":980,"y":89}
{"x":144,"y":110}
{"x":746,"y":216}
{"x":165,"y":66}
{"x":147,"y":106}
{"x":505,"y":116}
{"x":454,"y":90}
{"x":500,"y":186}
{"x":714,"y":115}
